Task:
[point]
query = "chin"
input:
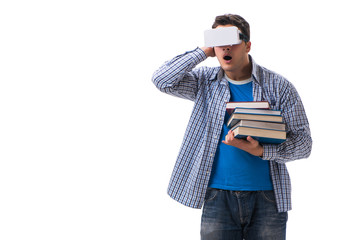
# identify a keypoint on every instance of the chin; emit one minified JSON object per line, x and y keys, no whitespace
{"x":226,"y":67}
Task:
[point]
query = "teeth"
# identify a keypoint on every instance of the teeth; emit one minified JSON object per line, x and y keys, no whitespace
{"x":227,"y":58}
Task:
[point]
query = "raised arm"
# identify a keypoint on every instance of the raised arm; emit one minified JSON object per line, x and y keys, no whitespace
{"x":177,"y":77}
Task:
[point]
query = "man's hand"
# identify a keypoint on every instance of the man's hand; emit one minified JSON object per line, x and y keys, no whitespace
{"x":209,"y":51}
{"x":249,"y":145}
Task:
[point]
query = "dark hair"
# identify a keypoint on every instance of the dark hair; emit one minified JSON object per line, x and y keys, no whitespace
{"x":235,"y":20}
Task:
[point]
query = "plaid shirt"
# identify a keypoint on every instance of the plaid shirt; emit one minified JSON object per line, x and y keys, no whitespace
{"x":210,"y":92}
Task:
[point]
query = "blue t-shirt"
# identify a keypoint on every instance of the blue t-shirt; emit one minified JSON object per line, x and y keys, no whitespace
{"x":233,"y":168}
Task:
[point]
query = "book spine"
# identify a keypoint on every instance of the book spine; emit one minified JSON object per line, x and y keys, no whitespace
{"x":263,"y":139}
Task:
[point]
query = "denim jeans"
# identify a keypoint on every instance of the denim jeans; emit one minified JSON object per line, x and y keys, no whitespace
{"x":250,"y":215}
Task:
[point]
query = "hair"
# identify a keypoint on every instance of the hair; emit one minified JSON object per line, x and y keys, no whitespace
{"x":235,"y":20}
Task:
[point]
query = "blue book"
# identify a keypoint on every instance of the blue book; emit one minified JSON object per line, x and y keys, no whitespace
{"x":257,"y":111}
{"x":260,"y":134}
{"x":255,"y":115}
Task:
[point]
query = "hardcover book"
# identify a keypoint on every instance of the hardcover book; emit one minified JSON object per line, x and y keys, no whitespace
{"x":261,"y":135}
{"x":230,"y":106}
{"x":236,"y":117}
{"x":259,"y":124}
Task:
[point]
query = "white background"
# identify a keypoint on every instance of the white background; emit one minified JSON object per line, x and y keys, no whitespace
{"x":87,"y":143}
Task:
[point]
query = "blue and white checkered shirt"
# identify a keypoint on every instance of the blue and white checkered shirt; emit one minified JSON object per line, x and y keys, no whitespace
{"x":210,"y":92}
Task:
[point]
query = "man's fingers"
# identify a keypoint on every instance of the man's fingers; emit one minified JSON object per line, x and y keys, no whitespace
{"x":231,"y":135}
{"x":251,"y":140}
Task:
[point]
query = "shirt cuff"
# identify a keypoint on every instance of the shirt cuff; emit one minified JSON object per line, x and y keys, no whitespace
{"x":270,"y":152}
{"x":198,"y":55}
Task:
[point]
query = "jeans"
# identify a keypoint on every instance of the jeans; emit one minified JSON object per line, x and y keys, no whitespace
{"x":250,"y":215}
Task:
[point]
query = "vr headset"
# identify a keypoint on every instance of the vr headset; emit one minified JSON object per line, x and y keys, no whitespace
{"x":224,"y":36}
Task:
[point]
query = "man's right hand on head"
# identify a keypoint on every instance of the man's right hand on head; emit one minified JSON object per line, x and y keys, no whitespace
{"x":209,"y":51}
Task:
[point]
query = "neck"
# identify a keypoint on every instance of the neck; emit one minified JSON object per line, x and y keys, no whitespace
{"x":242,"y":73}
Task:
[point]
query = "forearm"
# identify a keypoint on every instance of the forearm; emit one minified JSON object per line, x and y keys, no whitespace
{"x":175,"y":76}
{"x":298,"y":143}
{"x":295,"y":147}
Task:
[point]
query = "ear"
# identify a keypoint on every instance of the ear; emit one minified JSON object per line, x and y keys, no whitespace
{"x":248,"y":46}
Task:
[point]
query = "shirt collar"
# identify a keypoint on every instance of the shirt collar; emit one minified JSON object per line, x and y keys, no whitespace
{"x":255,"y":70}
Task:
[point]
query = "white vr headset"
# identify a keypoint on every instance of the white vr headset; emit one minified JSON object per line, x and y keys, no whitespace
{"x":224,"y":36}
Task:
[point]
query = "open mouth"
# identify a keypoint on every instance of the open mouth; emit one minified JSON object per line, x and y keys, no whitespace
{"x":227,"y":58}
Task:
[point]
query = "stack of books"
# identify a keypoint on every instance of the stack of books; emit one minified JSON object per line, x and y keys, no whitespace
{"x":257,"y":120}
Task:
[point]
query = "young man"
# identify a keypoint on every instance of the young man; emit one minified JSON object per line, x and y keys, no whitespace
{"x":243,"y":186}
